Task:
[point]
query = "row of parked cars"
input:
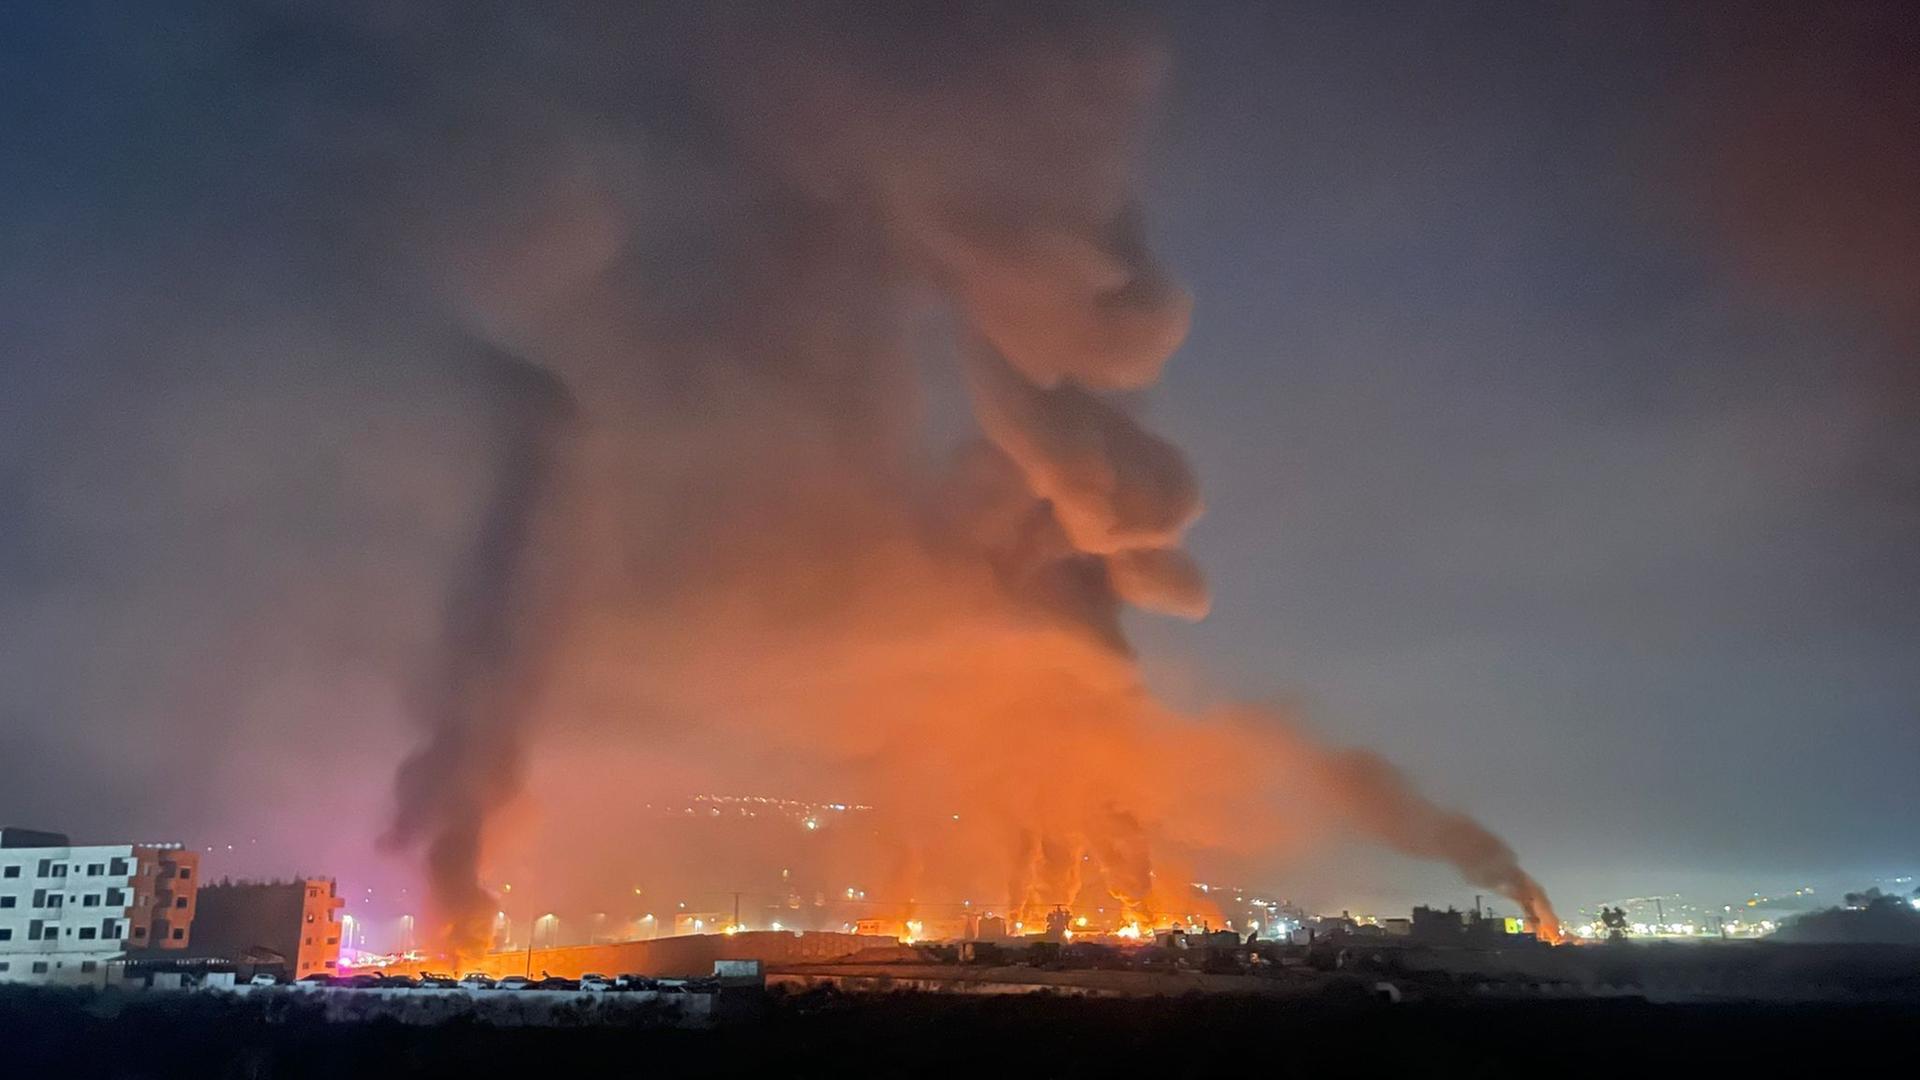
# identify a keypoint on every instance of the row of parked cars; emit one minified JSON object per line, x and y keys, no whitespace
{"x":476,"y":981}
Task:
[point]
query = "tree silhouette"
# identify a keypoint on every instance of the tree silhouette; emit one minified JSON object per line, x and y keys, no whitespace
{"x":1615,"y":920}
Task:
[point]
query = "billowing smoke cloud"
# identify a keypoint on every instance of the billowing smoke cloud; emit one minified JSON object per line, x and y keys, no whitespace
{"x":771,"y":561}
{"x":718,"y":546}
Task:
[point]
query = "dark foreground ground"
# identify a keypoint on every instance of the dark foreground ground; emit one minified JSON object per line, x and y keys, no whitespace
{"x":67,"y":1034}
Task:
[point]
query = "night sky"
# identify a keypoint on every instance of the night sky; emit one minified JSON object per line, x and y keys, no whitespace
{"x":1554,"y":384}
{"x":1552,"y":388}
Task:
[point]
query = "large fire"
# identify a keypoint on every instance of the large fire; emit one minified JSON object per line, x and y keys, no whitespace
{"x":756,"y":569}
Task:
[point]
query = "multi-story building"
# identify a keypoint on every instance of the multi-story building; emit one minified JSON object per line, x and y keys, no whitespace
{"x":66,"y":909}
{"x":294,"y":925}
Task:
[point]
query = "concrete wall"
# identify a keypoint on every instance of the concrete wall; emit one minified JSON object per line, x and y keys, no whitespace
{"x":679,"y":957}
{"x":502,"y":1008}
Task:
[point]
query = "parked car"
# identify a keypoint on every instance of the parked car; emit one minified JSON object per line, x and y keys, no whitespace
{"x":264,"y":978}
{"x":514,"y":982}
{"x":555,"y":982}
{"x":633,"y":982}
{"x":429,"y":980}
{"x":398,"y":982}
{"x":476,"y":981}
{"x":318,"y":978}
{"x":359,"y":982}
{"x":595,"y":983}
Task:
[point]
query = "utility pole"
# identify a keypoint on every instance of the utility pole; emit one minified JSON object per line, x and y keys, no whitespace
{"x":1659,"y":911}
{"x":736,"y":911}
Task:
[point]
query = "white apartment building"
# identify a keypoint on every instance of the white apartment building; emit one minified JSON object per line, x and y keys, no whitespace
{"x":66,"y":909}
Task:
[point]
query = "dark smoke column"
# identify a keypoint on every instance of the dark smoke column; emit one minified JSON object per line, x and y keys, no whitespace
{"x":495,"y":643}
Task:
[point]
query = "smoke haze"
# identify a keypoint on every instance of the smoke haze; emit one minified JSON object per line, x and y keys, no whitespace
{"x":772,"y":558}
{"x":623,"y":328}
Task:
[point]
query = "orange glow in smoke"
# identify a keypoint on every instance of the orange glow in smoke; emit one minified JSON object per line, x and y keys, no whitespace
{"x":779,"y":583}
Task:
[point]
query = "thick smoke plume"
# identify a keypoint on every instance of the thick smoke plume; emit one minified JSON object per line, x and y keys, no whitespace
{"x":783,"y":583}
{"x":796,"y":447}
{"x":478,"y":695}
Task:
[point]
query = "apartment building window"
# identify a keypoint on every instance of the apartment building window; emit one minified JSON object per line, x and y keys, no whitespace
{"x":179,"y":935}
{"x":179,"y":901}
{"x":35,"y":928}
{"x":6,"y":965}
{"x":39,"y":967}
{"x":90,"y":900}
{"x":87,"y":933}
{"x":117,"y":867}
{"x":60,"y":870}
{"x":93,"y":869}
{"x":8,"y":901}
{"x":109,"y":929}
{"x":186,"y":872}
{"x":87,"y":965}
{"x":46,"y":868}
{"x":333,"y":941}
{"x":6,"y":933}
{"x":139,"y":932}
{"x":11,"y":871}
{"x":116,"y":898}
{"x":57,"y":900}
